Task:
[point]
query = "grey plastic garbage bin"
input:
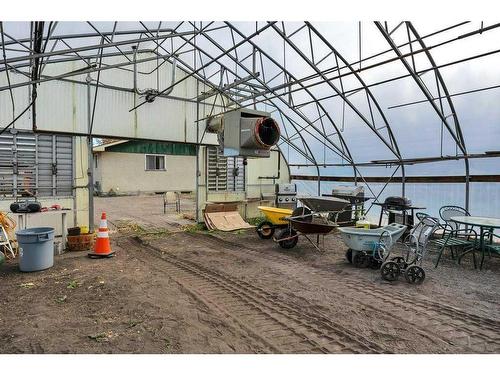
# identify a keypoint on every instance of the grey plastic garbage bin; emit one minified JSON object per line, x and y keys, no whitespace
{"x":36,"y":248}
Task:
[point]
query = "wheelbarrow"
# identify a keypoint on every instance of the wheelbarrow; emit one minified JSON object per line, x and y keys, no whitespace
{"x":305,"y":225}
{"x":369,"y":247}
{"x":275,"y":218}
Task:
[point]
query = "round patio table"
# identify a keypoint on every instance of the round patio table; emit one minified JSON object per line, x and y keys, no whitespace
{"x":484,"y":223}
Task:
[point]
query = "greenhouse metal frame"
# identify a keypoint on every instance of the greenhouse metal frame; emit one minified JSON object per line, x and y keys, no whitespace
{"x":260,"y":65}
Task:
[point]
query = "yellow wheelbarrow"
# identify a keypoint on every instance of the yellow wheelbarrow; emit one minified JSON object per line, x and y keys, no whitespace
{"x":275,"y":218}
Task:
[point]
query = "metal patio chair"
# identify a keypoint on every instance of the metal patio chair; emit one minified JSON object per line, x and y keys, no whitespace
{"x":421,"y":215}
{"x":455,"y":237}
{"x":493,"y":248}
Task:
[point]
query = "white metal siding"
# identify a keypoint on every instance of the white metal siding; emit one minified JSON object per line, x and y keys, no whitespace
{"x":62,"y":106}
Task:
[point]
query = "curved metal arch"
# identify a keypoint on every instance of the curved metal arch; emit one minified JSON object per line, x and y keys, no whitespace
{"x":308,"y":154}
{"x":458,"y":138}
{"x":293,"y":123}
{"x":344,"y":97}
{"x":420,"y":84}
{"x":452,"y":108}
{"x":347,"y":157}
{"x":337,"y":150}
{"x":290,"y":143}
{"x":396,"y":150}
{"x":214,"y":60}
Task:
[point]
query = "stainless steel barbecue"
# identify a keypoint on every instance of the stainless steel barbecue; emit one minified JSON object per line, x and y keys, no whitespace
{"x":286,"y":196}
{"x":356,"y":197}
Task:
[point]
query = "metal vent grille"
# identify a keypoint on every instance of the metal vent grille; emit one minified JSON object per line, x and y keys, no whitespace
{"x":224,"y":173}
{"x":236,"y":174}
{"x":36,"y":163}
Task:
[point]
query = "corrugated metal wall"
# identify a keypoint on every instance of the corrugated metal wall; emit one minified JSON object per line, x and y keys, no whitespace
{"x":62,"y":106}
{"x":38,"y":163}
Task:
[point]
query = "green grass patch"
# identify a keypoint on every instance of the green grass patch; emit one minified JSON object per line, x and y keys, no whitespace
{"x":195,"y":228}
{"x":256,"y":220}
{"x":27,"y":285}
{"x":129,"y":226}
{"x":73,"y":284}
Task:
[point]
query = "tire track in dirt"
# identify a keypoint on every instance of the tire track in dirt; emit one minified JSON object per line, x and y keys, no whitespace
{"x":434,"y":320}
{"x":283,"y":327}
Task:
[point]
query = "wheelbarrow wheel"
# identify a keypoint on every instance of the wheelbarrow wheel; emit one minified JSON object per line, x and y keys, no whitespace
{"x":348,"y":255}
{"x":390,"y":270}
{"x":361,"y":260}
{"x":265,"y":230}
{"x":415,"y":274}
{"x":287,"y":238}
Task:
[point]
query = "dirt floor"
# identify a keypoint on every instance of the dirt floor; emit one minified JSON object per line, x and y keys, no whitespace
{"x":173,"y":288}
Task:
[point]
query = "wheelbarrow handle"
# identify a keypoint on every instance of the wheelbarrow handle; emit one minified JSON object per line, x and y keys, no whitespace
{"x":300,"y":216}
{"x":286,"y":239}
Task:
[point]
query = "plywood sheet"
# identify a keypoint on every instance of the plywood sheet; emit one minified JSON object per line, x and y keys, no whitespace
{"x":226,"y":221}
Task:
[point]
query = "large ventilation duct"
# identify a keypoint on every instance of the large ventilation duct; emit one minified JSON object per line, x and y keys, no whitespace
{"x":245,"y":132}
{"x":150,"y":94}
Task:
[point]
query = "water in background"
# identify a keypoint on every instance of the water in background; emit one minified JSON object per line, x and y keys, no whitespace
{"x":484,"y":196}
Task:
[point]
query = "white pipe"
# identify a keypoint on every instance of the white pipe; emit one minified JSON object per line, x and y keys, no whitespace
{"x":137,"y":91}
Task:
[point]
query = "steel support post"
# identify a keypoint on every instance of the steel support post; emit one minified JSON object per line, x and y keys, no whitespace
{"x":90,"y":172}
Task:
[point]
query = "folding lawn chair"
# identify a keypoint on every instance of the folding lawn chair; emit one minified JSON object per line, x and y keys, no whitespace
{"x":172,"y":198}
{"x":5,"y":243}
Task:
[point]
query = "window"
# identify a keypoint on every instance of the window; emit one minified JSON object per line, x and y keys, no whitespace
{"x":95,"y":161}
{"x":155,"y":162}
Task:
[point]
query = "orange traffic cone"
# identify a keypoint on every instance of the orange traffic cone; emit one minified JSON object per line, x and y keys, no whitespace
{"x":102,"y":247}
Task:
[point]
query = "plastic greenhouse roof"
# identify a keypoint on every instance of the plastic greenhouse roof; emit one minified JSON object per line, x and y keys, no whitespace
{"x":346,"y":93}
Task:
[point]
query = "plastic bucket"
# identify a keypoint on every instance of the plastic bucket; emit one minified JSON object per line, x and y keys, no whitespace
{"x":36,"y":248}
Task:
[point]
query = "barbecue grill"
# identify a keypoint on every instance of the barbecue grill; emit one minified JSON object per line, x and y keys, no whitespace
{"x":286,"y":196}
{"x":397,"y":202}
{"x":399,"y":209}
{"x":356,"y":197}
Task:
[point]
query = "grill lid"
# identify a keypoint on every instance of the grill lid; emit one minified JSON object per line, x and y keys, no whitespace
{"x":397,"y":201}
{"x":288,"y":189}
{"x":348,"y":190}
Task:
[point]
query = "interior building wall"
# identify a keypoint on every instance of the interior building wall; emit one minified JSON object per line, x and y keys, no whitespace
{"x":125,"y":173}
